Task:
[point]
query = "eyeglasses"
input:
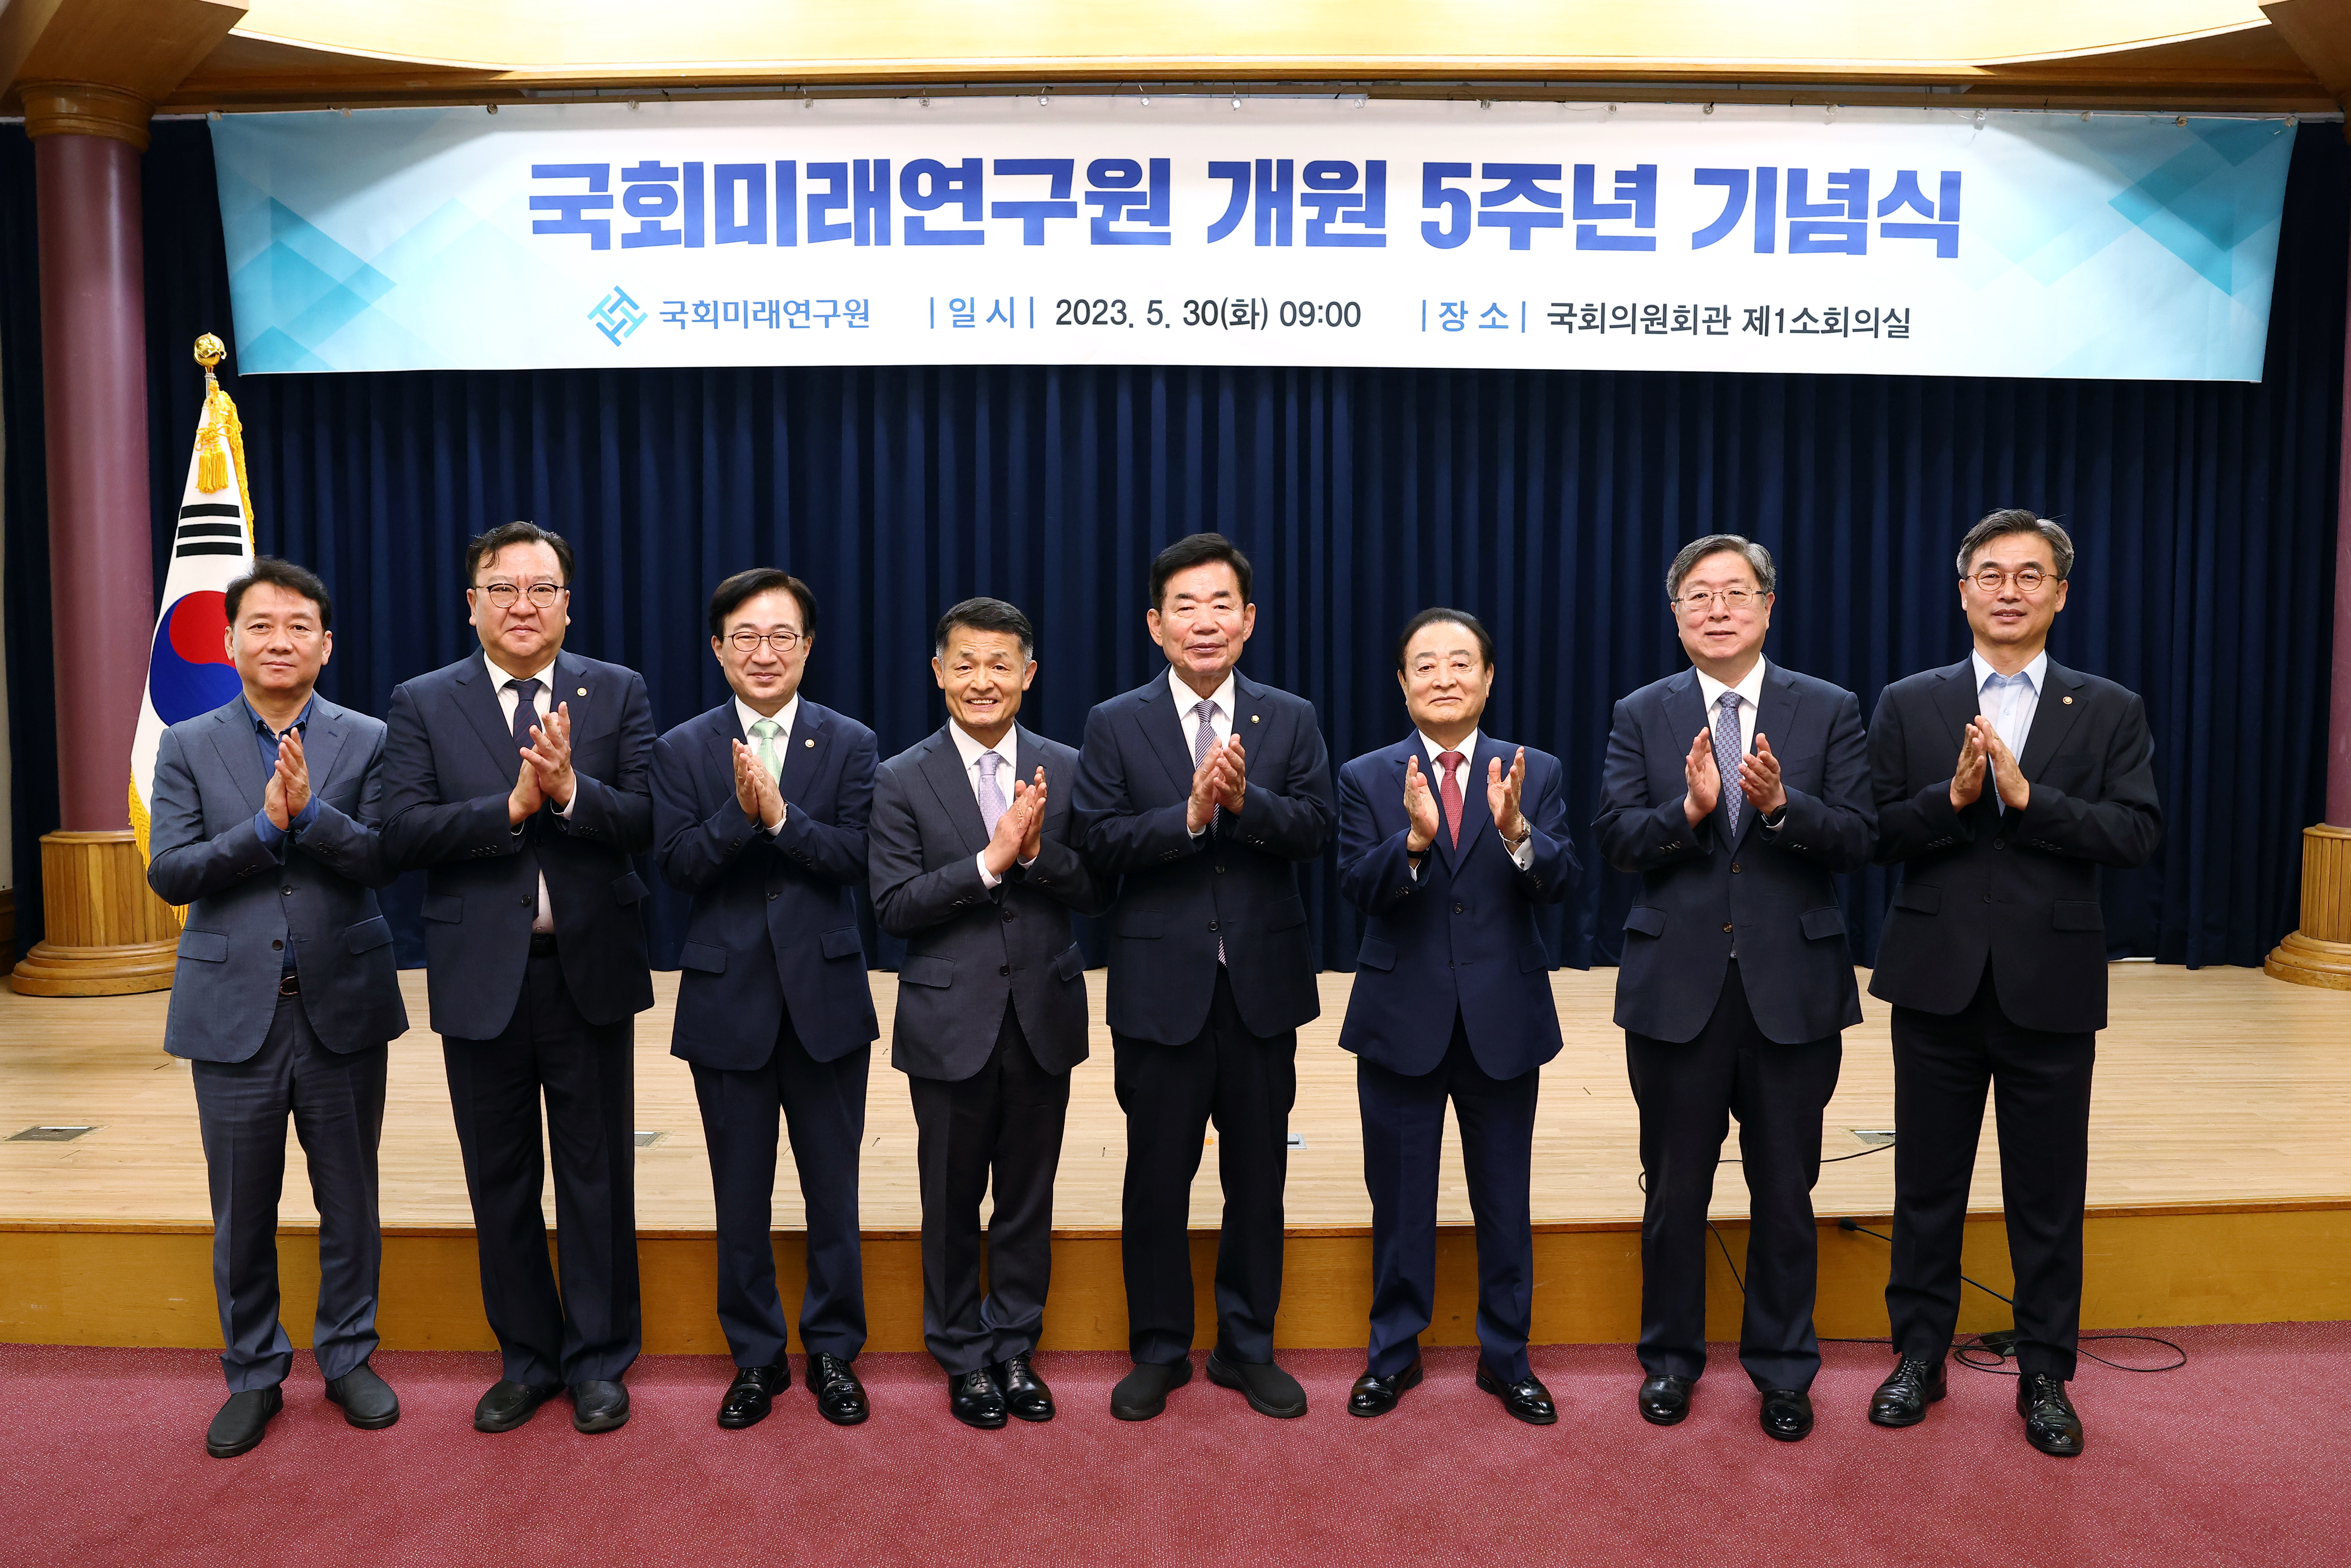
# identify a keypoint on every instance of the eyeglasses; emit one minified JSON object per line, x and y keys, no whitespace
{"x":747,"y":642}
{"x":543,"y":595}
{"x":2029,"y":579}
{"x":1734,"y":600}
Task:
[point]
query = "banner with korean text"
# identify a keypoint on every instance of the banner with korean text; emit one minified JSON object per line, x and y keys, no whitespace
{"x":1285,"y":231}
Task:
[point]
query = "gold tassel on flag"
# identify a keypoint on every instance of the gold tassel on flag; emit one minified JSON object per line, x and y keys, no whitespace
{"x":222,"y":432}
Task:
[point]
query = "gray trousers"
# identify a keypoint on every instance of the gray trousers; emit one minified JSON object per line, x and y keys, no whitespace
{"x":337,"y":1103}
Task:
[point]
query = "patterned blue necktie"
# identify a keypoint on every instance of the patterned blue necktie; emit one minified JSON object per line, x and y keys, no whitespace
{"x":1727,"y":752}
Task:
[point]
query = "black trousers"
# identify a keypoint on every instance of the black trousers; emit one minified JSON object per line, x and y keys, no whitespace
{"x":1003,"y":1123}
{"x":337,"y":1103}
{"x":1247,"y":1084}
{"x":591,"y":1331}
{"x":824,"y":1103}
{"x":1404,"y":1132}
{"x":1687,"y":1093}
{"x":2041,"y":1086}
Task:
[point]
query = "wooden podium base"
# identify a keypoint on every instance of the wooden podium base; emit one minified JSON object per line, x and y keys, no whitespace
{"x":2320,"y":953}
{"x":107,"y":932}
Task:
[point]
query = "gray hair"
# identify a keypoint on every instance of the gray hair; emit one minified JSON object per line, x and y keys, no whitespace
{"x":2017,"y":520}
{"x":1697,"y":551}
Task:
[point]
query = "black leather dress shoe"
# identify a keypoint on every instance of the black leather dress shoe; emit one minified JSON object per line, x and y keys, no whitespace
{"x":974,"y":1399}
{"x":242,"y":1421}
{"x":509,"y":1404}
{"x":1787,"y":1413}
{"x":598,"y":1406}
{"x":1902,"y":1399}
{"x":752,"y":1395}
{"x":1025,"y":1397}
{"x":2050,"y":1422}
{"x":1527,"y":1399}
{"x":1268,"y":1390}
{"x":1143,"y":1393}
{"x":1665,"y":1399}
{"x":840,"y":1397}
{"x":1376,"y":1396}
{"x":367,"y":1400}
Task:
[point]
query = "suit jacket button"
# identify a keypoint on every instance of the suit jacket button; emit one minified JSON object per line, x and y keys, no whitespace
{"x":1987,"y":898}
{"x":1999,"y":843}
{"x":1007,"y":918}
{"x":1220,"y":871}
{"x":1726,"y":927}
{"x":524,"y":902}
{"x":277,"y":947}
{"x":1212,"y":926}
{"x":1735,"y":866}
{"x":771,"y":893}
{"x":1458,"y":910}
{"x":1004,"y":968}
{"x":288,"y":891}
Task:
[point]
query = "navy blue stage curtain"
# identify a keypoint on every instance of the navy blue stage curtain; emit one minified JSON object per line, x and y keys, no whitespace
{"x":1547,"y":503}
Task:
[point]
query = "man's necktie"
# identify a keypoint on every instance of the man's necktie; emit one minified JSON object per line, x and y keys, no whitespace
{"x":762,"y":743}
{"x":1727,"y":752}
{"x":992,"y":803}
{"x":525,"y":712}
{"x":1202,"y":739}
{"x":1449,"y":792}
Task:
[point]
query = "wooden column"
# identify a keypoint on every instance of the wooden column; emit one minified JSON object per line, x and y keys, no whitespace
{"x":104,"y":931}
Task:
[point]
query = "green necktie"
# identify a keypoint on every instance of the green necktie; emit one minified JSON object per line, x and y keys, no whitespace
{"x":764,"y":735}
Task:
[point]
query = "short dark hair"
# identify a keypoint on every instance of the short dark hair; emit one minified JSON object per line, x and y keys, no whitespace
{"x":1197,"y":549}
{"x":2017,"y":520}
{"x":986,"y":615}
{"x":729,"y":595}
{"x":487,"y":545}
{"x":285,"y":574}
{"x":1436,"y":614}
{"x":1759,"y":560}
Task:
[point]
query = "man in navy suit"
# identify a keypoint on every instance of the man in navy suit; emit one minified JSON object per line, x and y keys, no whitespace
{"x":263,"y":822}
{"x":971,"y":863}
{"x":2004,"y":782}
{"x":515,"y":778}
{"x":759,"y":810}
{"x":1204,"y":790}
{"x":1452,"y":999}
{"x":1735,"y":789}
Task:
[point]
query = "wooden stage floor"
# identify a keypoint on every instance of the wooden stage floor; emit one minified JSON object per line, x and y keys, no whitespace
{"x":2220,"y":1184}
{"x":2216,"y":1086}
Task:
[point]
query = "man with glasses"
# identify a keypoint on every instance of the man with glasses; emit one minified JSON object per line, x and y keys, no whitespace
{"x":2004,"y":782}
{"x":759,"y":813}
{"x":1735,"y":789}
{"x":516,"y":780}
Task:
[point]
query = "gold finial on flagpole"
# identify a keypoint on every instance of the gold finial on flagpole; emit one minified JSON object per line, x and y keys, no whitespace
{"x":210,"y":352}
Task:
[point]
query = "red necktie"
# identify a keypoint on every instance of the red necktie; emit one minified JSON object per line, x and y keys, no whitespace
{"x":1449,"y":792}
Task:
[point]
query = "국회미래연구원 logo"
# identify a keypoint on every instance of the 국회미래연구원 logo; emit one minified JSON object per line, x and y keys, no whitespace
{"x":616,"y":315}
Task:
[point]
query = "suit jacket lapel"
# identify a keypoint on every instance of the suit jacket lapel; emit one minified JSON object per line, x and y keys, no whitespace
{"x":322,"y":742}
{"x":942,"y":766}
{"x":1169,"y":732}
{"x":570,"y":682}
{"x":1775,"y":715}
{"x":1475,"y":817}
{"x":2052,"y":719}
{"x":804,"y":749}
{"x":1956,"y":699}
{"x":240,"y":751}
{"x":1685,"y":709}
{"x":477,"y":695}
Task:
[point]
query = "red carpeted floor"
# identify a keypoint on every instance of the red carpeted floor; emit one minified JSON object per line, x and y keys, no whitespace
{"x":2242,"y":1457}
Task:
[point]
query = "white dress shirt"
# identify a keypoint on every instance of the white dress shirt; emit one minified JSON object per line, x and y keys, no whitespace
{"x":1750,"y":692}
{"x":971,"y":751}
{"x":543,"y":919}
{"x":2010,"y":707}
{"x":1188,"y":721}
{"x":1523,"y":854}
{"x":746,"y":716}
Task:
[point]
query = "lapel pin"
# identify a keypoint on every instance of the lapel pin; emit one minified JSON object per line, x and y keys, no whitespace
{"x":1252,"y":718}
{"x":2069,"y":702}
{"x":809,"y":743}
{"x":583,"y":691}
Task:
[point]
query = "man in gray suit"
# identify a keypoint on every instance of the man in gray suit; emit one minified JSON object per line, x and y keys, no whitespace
{"x":970,"y":859}
{"x":264,"y":824}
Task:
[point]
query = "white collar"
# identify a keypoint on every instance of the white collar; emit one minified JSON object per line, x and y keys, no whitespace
{"x":746,"y":716}
{"x":1187,"y":700}
{"x":1750,"y":690}
{"x":1468,"y":748}
{"x":971,"y":750}
{"x":540,"y":674}
{"x":2036,"y":671}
